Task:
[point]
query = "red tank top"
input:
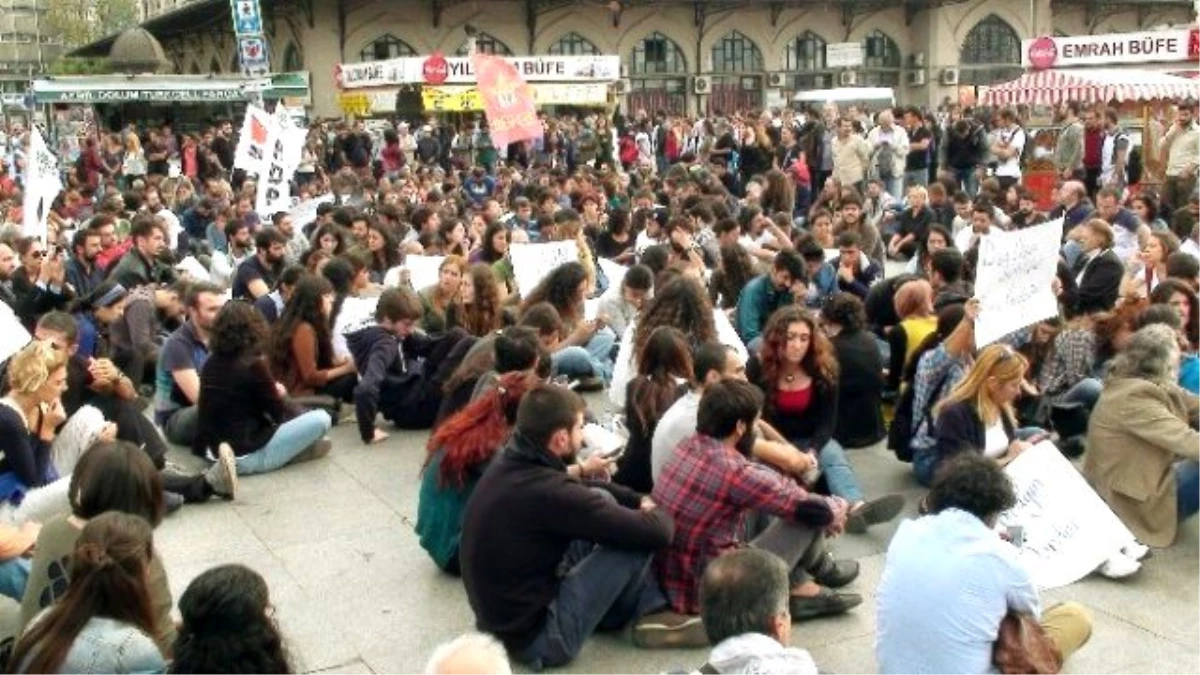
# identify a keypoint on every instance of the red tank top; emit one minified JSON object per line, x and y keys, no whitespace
{"x":793,"y":402}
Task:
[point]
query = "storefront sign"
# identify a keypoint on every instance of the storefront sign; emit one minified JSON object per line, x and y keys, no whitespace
{"x":458,"y":98}
{"x":145,"y":96}
{"x":458,"y":70}
{"x":436,"y":69}
{"x":844,"y":55}
{"x":1162,"y":46}
{"x":168,"y":88}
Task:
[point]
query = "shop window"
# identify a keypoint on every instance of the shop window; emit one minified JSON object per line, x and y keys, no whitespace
{"x":485,"y":43}
{"x":658,"y":54}
{"x":292,"y":60}
{"x":736,"y":53}
{"x":573,"y":44}
{"x":383,"y":48}
{"x":881,"y":61}
{"x":991,"y":53}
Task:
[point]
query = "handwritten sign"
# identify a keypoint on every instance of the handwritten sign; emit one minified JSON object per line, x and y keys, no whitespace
{"x":423,"y":270}
{"x":1014,"y":280}
{"x":1068,"y":529}
{"x":533,"y":262}
{"x":284,"y":143}
{"x":305,"y":212}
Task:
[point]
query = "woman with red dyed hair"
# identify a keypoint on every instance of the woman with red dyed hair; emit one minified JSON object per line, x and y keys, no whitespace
{"x":459,"y":451}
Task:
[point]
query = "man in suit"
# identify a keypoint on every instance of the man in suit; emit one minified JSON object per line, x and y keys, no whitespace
{"x":1098,"y":271}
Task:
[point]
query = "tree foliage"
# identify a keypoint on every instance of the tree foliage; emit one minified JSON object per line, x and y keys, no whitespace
{"x":68,"y":65}
{"x":80,"y":22}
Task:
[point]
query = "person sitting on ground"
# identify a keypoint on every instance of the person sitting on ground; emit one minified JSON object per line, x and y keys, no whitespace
{"x":271,"y":305}
{"x":860,"y":372}
{"x":110,"y":477}
{"x":744,"y":602}
{"x":798,"y":374}
{"x":437,"y":299}
{"x":177,"y":375}
{"x":458,"y":453}
{"x":585,"y":353}
{"x":136,"y":336}
{"x":227,"y":625}
{"x":141,"y":264}
{"x":513,"y":349}
{"x":914,"y":308}
{"x":855,"y":271}
{"x":479,"y":308}
{"x":949,"y":580}
{"x":1098,"y":271}
{"x":1142,"y":441}
{"x":301,"y":350}
{"x":709,"y":486}
{"x":470,"y":653}
{"x":258,"y":275}
{"x":242,"y":409}
{"x":94,"y":315}
{"x":584,"y":561}
{"x":105,"y":620}
{"x":787,"y":280}
{"x":620,"y":305}
{"x":664,"y":368}
{"x":400,"y":371}
{"x":823,"y":277}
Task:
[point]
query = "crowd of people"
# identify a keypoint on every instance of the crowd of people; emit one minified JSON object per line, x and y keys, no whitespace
{"x":730,"y":294}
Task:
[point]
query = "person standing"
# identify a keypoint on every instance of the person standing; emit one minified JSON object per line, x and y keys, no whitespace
{"x":1068,"y":152}
{"x":1180,"y":153}
{"x":920,"y":140}
{"x":1114,"y":153}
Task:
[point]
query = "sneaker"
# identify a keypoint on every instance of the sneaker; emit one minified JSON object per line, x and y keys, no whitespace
{"x":1119,"y":566}
{"x":1136,"y":551}
{"x":874,"y":512}
{"x":669,"y":630}
{"x":172,"y":501}
{"x":222,"y":476}
{"x":825,"y":603}
{"x":835,"y":573}
{"x":315,"y":451}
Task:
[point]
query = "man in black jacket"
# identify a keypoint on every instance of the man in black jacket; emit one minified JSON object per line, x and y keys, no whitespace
{"x":1098,"y":272}
{"x":548,"y":558}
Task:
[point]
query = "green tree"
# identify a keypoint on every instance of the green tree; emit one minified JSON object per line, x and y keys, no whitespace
{"x":67,"y":65}
{"x":80,"y":22}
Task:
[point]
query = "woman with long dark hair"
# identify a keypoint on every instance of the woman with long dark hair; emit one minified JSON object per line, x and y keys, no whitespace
{"x":494,"y":245}
{"x":860,"y":371}
{"x":105,"y":621}
{"x":438,"y":298}
{"x":616,"y":241}
{"x":479,"y":308}
{"x":227,"y":625}
{"x":798,"y":373}
{"x":664,"y":375}
{"x":586,"y":350}
{"x":734,"y":271}
{"x":383,"y":249}
{"x":301,"y":349}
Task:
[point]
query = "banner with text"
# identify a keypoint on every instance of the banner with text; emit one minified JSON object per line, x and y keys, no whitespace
{"x":284,"y":146}
{"x":42,"y":185}
{"x":532,"y":262}
{"x":460,"y":70}
{"x":1015,"y":280}
{"x":1068,"y":530}
{"x":507,"y":100}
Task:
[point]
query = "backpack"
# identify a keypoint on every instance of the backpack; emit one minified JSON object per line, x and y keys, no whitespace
{"x":885,"y":161}
{"x":1133,"y":166}
{"x":628,"y":150}
{"x":900,"y":433}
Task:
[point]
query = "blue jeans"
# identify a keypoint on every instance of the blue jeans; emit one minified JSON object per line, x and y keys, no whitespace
{"x":1086,"y":393}
{"x":966,"y":179}
{"x":839,"y":475}
{"x":290,"y":439}
{"x":14,"y":574}
{"x":593,"y":360}
{"x":894,"y":186}
{"x":1187,"y":488}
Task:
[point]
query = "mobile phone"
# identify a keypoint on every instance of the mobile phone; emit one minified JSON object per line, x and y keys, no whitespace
{"x":1016,"y":535}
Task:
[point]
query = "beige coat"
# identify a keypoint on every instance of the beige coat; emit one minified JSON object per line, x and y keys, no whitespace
{"x":851,"y":159}
{"x":1136,"y":433}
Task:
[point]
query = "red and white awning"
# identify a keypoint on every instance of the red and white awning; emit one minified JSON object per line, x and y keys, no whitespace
{"x":1047,"y":87}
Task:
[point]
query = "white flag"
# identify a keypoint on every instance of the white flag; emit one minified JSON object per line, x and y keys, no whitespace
{"x":251,"y":149}
{"x":284,"y":145}
{"x":42,"y":185}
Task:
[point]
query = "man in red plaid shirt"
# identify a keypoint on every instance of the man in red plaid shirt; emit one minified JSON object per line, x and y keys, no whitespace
{"x":709,"y":487}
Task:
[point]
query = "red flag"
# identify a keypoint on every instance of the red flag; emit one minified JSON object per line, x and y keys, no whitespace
{"x":507,"y":100}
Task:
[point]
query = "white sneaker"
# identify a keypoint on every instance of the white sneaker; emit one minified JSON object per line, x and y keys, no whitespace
{"x":1136,"y":551}
{"x":1119,"y":566}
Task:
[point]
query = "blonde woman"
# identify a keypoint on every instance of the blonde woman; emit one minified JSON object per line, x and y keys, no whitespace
{"x":978,"y":415}
{"x":133,"y":165}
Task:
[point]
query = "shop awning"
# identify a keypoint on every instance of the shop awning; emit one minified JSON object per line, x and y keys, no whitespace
{"x":1091,"y":86}
{"x":168,"y":88}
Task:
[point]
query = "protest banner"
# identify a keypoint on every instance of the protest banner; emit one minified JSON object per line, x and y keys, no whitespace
{"x":1068,"y":530}
{"x":423,"y":270}
{"x":305,"y":212}
{"x":284,"y":143}
{"x":13,"y":335}
{"x":1015,"y":280}
{"x":252,"y":141}
{"x":42,"y":185}
{"x":508,"y":101}
{"x":532,"y":262}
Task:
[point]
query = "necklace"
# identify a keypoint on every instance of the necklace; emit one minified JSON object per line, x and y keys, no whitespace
{"x":789,"y":378}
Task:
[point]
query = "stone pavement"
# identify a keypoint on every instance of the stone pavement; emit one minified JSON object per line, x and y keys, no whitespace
{"x":354,"y":592}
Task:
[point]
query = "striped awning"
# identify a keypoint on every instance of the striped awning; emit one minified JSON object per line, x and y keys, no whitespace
{"x":1091,"y":86}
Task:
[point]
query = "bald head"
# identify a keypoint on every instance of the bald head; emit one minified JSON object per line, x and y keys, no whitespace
{"x":470,"y":654}
{"x":1072,"y":192}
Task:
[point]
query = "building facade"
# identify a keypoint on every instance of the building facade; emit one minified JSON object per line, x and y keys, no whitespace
{"x":678,"y":55}
{"x":27,"y":43}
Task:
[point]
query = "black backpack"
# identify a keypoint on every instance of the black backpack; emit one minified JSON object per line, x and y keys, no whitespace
{"x":900,"y":433}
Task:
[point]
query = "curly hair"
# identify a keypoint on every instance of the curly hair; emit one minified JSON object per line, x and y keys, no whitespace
{"x":819,"y":362}
{"x":561,"y":289}
{"x":239,"y":330}
{"x":485,"y":314}
{"x":845,"y":310}
{"x":681,"y":303}
{"x":472,"y":435}
{"x":304,"y":307}
{"x":973,"y":483}
{"x":227,"y":627}
{"x":736,"y":270}
{"x":31,"y":367}
{"x":1152,"y":354}
{"x":665,"y":360}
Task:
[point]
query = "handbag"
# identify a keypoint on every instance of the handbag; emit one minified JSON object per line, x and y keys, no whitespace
{"x":1024,"y":647}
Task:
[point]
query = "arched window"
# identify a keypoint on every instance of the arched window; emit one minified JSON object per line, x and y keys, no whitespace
{"x":386,"y":47}
{"x":881,"y":60}
{"x":991,"y":53}
{"x":659,"y":71}
{"x":292,"y":60}
{"x":805,"y":60}
{"x":736,"y":53}
{"x":573,"y":44}
{"x":485,"y":43}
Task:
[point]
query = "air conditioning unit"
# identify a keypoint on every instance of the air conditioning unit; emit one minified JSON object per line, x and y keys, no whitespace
{"x":949,"y":77}
{"x":621,"y":87}
{"x":916,"y":78}
{"x":701,"y":85}
{"x":776,"y":80}
{"x":848,"y":79}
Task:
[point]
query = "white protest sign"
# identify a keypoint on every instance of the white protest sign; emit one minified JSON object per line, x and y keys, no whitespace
{"x":284,"y":144}
{"x":1068,"y":529}
{"x":356,"y":313}
{"x":1014,"y":280}
{"x":305,"y":212}
{"x":615,"y":272}
{"x":251,"y":148}
{"x":591,"y":308}
{"x":423,"y":270}
{"x":13,"y":335}
{"x":532,"y":262}
{"x":42,"y":185}
{"x":192,"y":268}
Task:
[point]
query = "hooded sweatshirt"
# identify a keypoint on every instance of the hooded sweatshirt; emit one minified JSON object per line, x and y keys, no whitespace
{"x":759,"y":654}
